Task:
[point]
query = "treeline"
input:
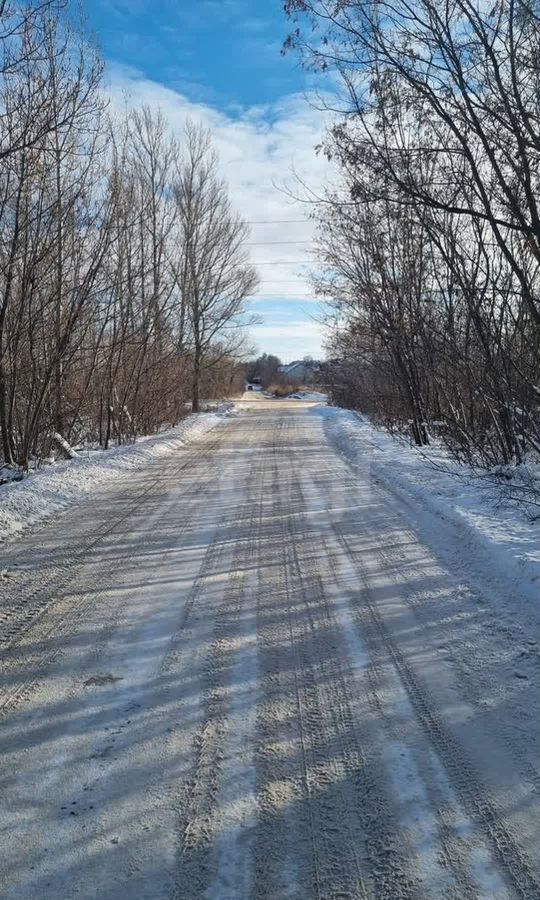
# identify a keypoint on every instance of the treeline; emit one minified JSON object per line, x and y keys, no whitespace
{"x":123,"y":273}
{"x":266,"y":368}
{"x":430,"y":243}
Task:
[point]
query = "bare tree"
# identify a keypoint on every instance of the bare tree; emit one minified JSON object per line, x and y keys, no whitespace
{"x":215,"y":276}
{"x":123,"y":277}
{"x":52,"y":241}
{"x":432,"y":244}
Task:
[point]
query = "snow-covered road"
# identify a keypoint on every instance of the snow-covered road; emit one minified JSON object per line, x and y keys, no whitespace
{"x":244,"y":674}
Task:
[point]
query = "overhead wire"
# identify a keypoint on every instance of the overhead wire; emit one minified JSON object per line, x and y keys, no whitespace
{"x":293,"y":262}
{"x":277,"y":221}
{"x":283,"y":262}
{"x":274,"y":243}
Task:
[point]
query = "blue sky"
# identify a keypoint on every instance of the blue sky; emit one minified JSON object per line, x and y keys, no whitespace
{"x":219,"y":61}
{"x":223,"y":52}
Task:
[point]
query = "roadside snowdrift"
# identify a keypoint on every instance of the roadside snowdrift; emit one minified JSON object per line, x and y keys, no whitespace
{"x":463,"y":517}
{"x":314,"y":396}
{"x":51,"y":489}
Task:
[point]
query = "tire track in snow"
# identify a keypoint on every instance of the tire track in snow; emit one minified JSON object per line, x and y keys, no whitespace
{"x":20,"y":687}
{"x":465,"y":782}
{"x":21,"y":609}
{"x":354,"y":853}
{"x":285,"y":861}
{"x":215,"y":832}
{"x":486,"y":619}
{"x":455,"y":773}
{"x":382,"y":866}
{"x":417,"y":819}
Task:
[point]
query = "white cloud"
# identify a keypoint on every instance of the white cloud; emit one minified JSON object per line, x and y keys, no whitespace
{"x":261,"y":150}
{"x":291,"y":341}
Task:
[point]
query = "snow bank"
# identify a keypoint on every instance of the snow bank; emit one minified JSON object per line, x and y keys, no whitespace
{"x":49,"y":490}
{"x":463,"y":516}
{"x":314,"y":396}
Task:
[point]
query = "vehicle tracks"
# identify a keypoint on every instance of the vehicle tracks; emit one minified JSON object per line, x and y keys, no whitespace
{"x":465,"y":781}
{"x":199,"y":856}
{"x":20,"y":609}
{"x":20,"y":687}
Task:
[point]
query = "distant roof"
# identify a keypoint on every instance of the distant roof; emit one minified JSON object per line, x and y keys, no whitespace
{"x":304,"y":363}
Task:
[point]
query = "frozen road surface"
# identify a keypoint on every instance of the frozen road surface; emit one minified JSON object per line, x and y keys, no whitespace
{"x":243,"y":674}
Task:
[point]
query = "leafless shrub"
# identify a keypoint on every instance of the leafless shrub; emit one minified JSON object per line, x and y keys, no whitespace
{"x":123,"y":273}
{"x":282,"y":390}
{"x":430,"y":246}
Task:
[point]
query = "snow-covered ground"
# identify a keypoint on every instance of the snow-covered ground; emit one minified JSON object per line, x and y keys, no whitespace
{"x":466,"y":516}
{"x":55,"y":487}
{"x":259,"y":399}
{"x":262,"y":668}
{"x":315,"y":396}
{"x":498,"y":537}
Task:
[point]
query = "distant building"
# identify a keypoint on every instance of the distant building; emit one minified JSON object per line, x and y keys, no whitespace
{"x":301,"y":371}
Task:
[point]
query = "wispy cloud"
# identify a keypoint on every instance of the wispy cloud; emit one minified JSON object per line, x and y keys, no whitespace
{"x":260,"y":149}
{"x":301,"y":338}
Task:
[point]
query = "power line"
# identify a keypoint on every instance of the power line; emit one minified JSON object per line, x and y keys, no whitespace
{"x":274,"y":243}
{"x":283,"y":262}
{"x":277,"y":221}
{"x":295,"y":289}
{"x":262,"y":293}
{"x":270,"y":298}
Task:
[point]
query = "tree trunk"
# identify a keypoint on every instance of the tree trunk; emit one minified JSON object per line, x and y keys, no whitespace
{"x":196,"y":387}
{"x":4,"y":429}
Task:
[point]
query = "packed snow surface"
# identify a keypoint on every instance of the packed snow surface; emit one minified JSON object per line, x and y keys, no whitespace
{"x":442,"y":498}
{"x":49,"y":490}
{"x":284,"y":662}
